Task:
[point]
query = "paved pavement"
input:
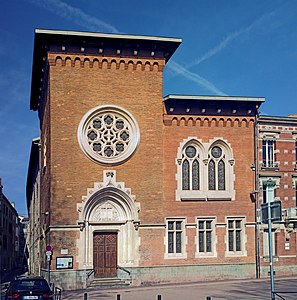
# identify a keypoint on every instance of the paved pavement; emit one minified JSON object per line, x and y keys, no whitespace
{"x":227,"y":290}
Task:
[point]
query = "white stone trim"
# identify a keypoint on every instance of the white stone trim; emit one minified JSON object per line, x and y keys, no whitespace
{"x":125,"y":208}
{"x":213,"y":253}
{"x":243,"y":251}
{"x":269,"y":178}
{"x":183,"y":254}
{"x":204,"y":194}
{"x":130,"y":145}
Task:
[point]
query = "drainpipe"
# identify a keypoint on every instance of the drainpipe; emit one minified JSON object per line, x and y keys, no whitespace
{"x":257,"y":217}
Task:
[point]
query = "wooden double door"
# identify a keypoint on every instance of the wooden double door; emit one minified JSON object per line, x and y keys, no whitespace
{"x":105,"y":254}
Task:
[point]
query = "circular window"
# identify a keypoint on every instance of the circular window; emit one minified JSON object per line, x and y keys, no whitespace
{"x":190,"y":151}
{"x":216,"y":152}
{"x":108,"y":134}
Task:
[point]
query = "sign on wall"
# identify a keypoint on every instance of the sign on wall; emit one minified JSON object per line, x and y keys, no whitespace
{"x":64,"y":262}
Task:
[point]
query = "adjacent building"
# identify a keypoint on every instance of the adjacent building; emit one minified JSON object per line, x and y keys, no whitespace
{"x":23,"y":242}
{"x":9,"y":236}
{"x":277,"y":177}
{"x":35,"y":234}
{"x":125,"y":183}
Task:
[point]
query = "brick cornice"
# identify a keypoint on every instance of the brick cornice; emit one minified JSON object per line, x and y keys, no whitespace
{"x":100,"y":62}
{"x":208,"y":121}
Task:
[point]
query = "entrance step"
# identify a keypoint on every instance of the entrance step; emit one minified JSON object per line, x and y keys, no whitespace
{"x":108,"y":283}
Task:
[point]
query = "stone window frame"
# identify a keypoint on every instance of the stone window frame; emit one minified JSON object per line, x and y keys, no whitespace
{"x":117,"y":112}
{"x":243,"y":237}
{"x":204,"y":193}
{"x":269,"y":135}
{"x":269,"y":178}
{"x":216,"y":161}
{"x":183,"y":253}
{"x":198,"y":157}
{"x":213,"y":252}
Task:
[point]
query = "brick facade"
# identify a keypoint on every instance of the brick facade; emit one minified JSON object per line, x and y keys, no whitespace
{"x":168,"y":228}
{"x":281,"y":171}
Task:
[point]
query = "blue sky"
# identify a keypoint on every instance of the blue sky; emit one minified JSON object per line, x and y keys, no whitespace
{"x":230,"y":47}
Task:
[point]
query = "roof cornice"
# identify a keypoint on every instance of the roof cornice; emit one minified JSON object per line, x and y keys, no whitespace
{"x":94,"y":44}
{"x":213,"y":98}
{"x":212,"y":105}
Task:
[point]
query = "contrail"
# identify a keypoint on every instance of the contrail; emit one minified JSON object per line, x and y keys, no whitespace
{"x":195,"y":77}
{"x":184,"y":71}
{"x":227,"y":40}
{"x":75,"y":15}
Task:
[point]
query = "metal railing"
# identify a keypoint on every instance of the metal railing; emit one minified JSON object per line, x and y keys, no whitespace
{"x":90,"y":273}
{"x":283,"y":293}
{"x":125,"y":270}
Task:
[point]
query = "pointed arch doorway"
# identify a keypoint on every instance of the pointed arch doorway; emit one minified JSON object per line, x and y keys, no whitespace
{"x":108,"y":238}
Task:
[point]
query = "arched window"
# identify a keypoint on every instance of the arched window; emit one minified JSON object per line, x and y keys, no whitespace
{"x":205,"y":170}
{"x":211,"y":175}
{"x":186,"y":175}
{"x":221,"y":175}
{"x":216,"y":169}
{"x":190,"y":168}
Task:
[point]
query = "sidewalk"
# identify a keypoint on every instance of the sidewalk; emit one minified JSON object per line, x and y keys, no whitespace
{"x":258,"y":289}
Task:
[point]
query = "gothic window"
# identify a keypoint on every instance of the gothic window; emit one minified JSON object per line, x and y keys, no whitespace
{"x":195,"y":175}
{"x":186,"y":175}
{"x":217,"y":169}
{"x":221,"y":175}
{"x":190,"y":168}
{"x":211,"y":175}
{"x":205,"y":170}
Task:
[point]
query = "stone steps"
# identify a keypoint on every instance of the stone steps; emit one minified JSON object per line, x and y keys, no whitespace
{"x":108,"y":283}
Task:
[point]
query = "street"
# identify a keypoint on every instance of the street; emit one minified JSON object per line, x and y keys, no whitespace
{"x":236,"y":289}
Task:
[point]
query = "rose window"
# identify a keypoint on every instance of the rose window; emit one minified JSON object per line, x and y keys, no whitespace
{"x":108,"y":134}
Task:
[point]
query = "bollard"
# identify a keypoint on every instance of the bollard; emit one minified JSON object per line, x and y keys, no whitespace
{"x":118,"y":297}
{"x":85,"y":296}
{"x":159,"y":297}
{"x":208,"y":298}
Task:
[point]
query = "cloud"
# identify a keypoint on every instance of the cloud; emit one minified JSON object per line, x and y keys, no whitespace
{"x":195,"y":77}
{"x":75,"y":15}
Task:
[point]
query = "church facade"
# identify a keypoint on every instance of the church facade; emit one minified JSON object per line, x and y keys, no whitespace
{"x":133,"y":185}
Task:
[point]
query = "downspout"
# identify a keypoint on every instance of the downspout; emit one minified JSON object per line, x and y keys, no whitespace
{"x":257,"y":215}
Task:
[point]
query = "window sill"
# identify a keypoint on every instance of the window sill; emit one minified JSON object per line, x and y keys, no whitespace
{"x":235,"y":254}
{"x":175,"y":255}
{"x":205,"y":255}
{"x":205,"y":195}
{"x":273,"y":168}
